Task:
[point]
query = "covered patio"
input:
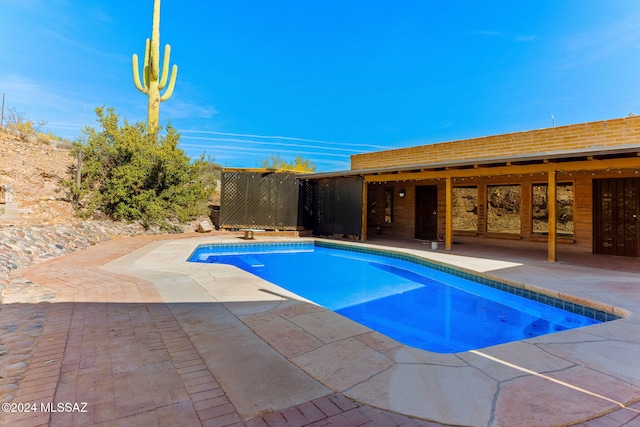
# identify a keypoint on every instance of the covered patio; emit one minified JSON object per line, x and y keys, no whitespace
{"x":574,"y":189}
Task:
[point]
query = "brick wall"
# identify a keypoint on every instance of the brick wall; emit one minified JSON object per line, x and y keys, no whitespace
{"x":608,"y":133}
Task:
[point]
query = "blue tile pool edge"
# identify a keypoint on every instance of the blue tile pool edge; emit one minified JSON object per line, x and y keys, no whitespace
{"x":538,"y":295}
{"x":503,"y":285}
{"x":233,"y":246}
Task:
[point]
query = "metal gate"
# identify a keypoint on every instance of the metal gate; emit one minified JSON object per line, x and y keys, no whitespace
{"x":333,"y":207}
{"x":260,"y":199}
{"x":616,"y":208}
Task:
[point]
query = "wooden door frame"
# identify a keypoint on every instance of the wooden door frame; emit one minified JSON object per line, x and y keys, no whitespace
{"x":417,"y":226}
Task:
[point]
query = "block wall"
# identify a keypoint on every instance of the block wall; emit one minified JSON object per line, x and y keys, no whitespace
{"x":608,"y":133}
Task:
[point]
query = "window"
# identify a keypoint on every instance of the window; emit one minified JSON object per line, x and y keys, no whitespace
{"x":388,"y":205}
{"x":564,"y":209}
{"x":465,"y":208}
{"x":503,"y":209}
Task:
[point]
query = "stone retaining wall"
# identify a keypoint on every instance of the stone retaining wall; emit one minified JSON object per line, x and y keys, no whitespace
{"x":20,"y":247}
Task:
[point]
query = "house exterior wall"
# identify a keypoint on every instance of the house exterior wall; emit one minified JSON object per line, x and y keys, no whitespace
{"x":403,"y":223}
{"x":585,"y":137}
{"x":607,"y":133}
{"x":404,"y":209}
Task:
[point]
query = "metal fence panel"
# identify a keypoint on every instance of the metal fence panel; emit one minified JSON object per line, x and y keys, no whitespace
{"x":278,"y":200}
{"x":264,"y":200}
{"x":333,"y":207}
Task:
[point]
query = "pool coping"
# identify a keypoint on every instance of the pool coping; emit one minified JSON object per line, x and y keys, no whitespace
{"x":481,"y":387}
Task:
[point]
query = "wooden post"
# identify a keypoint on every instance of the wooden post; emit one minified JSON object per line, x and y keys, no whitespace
{"x":448,"y":222}
{"x":551,"y":209}
{"x":365,"y":186}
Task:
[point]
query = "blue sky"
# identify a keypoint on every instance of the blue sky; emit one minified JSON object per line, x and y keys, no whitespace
{"x":326,"y":79}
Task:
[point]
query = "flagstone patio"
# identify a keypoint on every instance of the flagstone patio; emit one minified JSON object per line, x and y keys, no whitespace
{"x":145,"y":338}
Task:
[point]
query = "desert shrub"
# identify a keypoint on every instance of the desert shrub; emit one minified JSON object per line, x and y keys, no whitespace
{"x":21,"y":126}
{"x":128,"y":174}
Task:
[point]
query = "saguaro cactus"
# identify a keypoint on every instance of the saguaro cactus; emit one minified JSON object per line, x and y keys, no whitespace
{"x":153,"y":82}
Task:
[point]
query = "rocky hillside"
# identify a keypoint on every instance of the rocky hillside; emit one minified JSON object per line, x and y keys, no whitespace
{"x":33,"y":169}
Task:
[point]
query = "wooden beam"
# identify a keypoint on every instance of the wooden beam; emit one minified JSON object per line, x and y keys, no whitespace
{"x":584,"y":165}
{"x":551,"y":209}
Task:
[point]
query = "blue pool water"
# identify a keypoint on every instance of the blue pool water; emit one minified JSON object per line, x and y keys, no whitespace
{"x":411,"y":303}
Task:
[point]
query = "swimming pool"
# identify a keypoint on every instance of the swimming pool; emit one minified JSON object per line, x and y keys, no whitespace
{"x":419,"y":304}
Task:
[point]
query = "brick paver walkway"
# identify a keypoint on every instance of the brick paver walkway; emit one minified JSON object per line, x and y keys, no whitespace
{"x":109,"y":342}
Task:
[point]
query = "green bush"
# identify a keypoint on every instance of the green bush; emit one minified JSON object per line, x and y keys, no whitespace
{"x":128,"y":174}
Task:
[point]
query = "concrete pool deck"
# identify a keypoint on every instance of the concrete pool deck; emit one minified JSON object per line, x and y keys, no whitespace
{"x":146,"y":338}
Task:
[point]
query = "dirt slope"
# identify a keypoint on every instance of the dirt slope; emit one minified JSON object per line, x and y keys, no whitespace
{"x":33,"y":169}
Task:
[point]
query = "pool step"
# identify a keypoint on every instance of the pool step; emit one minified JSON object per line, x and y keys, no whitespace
{"x":251,"y":261}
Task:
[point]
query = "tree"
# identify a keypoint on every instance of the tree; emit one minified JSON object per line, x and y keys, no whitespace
{"x":128,"y":173}
{"x":299,"y":164}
